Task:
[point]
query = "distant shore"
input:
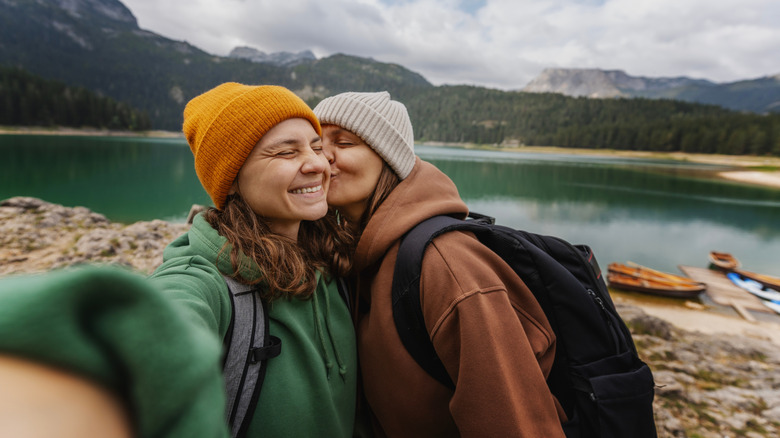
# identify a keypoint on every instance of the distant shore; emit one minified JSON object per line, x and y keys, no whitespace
{"x":747,"y":169}
{"x":37,"y":130}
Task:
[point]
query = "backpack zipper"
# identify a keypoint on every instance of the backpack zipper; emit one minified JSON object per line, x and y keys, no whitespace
{"x":607,"y":318}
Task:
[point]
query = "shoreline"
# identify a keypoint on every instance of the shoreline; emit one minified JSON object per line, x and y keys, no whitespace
{"x":694,"y":316}
{"x":744,"y":169}
{"x":87,"y":132}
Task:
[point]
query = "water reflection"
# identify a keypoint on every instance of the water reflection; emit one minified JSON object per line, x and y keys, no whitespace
{"x":127,"y":179}
{"x":589,"y":192}
{"x":657,"y":213}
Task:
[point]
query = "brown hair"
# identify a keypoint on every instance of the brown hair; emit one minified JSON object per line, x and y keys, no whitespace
{"x":288,"y":267}
{"x":351,"y":232}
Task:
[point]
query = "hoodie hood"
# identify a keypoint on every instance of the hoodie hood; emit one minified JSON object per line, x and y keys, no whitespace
{"x":204,"y":241}
{"x":425,"y":193}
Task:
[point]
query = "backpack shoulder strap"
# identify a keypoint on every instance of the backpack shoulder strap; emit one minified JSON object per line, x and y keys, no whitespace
{"x":407,"y":311}
{"x":248,"y":346}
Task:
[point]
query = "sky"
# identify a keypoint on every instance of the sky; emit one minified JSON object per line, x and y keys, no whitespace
{"x":500,"y":44}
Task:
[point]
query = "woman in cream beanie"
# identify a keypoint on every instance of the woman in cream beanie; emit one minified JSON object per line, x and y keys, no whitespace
{"x":485,"y":325}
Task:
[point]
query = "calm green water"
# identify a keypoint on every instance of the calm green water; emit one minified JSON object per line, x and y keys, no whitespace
{"x":655,"y":213}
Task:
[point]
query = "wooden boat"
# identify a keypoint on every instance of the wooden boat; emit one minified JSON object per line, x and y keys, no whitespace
{"x":766,"y":280}
{"x":724,"y":261}
{"x":639,"y":271}
{"x":657,"y":286}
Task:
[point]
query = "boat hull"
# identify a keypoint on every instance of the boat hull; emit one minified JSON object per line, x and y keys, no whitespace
{"x":625,"y":282}
{"x":754,"y":287}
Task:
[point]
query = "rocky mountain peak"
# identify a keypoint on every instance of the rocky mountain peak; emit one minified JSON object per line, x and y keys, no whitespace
{"x":603,"y":83}
{"x":282,"y":59}
{"x":576,"y":82}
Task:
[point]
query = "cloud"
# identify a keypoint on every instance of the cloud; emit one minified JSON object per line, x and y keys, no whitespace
{"x":495,"y":43}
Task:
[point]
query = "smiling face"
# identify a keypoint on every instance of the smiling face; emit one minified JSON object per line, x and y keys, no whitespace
{"x":285,"y":178}
{"x":355,"y":170}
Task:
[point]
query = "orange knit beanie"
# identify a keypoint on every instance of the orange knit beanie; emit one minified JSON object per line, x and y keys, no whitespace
{"x":224,"y":124}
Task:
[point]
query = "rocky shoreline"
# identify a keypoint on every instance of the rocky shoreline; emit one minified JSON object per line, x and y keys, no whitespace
{"x":36,"y":236}
{"x":707,"y":385}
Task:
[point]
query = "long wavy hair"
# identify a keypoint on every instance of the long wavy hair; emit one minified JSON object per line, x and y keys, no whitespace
{"x":351,"y":232}
{"x":288,"y":267}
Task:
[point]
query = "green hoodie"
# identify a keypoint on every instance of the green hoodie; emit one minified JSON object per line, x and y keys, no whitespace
{"x":310,"y":389}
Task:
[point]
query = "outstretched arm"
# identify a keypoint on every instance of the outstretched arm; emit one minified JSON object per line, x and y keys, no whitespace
{"x":110,"y":335}
{"x":42,"y":401}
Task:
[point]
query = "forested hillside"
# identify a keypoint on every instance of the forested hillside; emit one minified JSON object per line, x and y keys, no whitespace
{"x":28,"y":100}
{"x":480,"y":115}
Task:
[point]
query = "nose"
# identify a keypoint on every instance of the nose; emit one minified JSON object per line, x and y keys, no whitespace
{"x":315,"y":163}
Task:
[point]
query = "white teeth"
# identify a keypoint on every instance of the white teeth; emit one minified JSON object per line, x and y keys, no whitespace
{"x":307,"y":190}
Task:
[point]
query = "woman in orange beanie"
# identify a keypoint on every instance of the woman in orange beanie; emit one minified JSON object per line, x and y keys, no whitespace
{"x":258,"y":154}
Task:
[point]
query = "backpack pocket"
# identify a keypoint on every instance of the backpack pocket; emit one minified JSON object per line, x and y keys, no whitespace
{"x":617,"y":396}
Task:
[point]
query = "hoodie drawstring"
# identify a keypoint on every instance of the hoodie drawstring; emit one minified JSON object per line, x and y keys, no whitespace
{"x":339,"y":360}
{"x":320,"y":332}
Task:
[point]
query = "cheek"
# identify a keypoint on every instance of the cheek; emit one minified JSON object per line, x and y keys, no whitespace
{"x":373,"y":168}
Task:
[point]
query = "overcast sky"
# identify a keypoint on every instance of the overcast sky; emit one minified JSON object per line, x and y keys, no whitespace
{"x":493,"y":43}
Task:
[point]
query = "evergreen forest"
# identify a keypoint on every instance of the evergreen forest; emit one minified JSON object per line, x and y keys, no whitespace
{"x":484,"y":116}
{"x":29,"y":100}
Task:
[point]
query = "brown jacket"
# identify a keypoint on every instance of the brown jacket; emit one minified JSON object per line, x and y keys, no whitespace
{"x":496,"y":345}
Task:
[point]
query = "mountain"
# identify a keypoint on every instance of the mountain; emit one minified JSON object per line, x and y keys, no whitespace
{"x":282,"y":59}
{"x":97,"y":44}
{"x":757,"y":95}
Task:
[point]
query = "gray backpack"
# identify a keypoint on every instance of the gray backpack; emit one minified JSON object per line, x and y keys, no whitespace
{"x":248,"y":346}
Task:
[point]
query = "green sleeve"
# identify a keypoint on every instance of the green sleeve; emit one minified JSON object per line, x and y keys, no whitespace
{"x":197,"y":287}
{"x":116,"y":329}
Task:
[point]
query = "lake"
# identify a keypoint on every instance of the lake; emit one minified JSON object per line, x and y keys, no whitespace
{"x":658,"y":213}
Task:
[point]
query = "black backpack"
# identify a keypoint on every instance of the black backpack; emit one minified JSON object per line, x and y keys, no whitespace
{"x":597,"y":376}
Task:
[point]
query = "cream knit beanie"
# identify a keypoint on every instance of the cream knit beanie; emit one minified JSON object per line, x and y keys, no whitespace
{"x":381,"y":122}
